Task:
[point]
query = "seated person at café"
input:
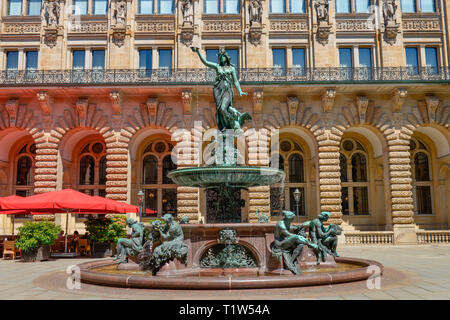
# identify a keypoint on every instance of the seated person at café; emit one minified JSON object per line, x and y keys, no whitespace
{"x":76,"y":237}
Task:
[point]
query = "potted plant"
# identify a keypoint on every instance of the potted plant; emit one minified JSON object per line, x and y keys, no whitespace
{"x":35,"y":238}
{"x":104,"y":233}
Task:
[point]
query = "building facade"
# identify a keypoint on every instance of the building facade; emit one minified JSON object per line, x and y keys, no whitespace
{"x":94,"y":95}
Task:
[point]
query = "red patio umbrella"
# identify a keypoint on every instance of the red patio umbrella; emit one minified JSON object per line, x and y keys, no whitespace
{"x":66,"y":201}
{"x":13,"y":212}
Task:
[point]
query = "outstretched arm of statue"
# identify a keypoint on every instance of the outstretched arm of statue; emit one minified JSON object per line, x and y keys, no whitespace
{"x":209,"y":64}
{"x":237,"y":85}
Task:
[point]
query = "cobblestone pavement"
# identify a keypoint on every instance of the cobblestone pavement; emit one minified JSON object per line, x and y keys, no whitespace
{"x":411,"y":272}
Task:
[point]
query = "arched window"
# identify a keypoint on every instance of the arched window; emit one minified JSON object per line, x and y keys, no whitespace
{"x":160,"y":191}
{"x":354,"y":178}
{"x":24,"y":170}
{"x":92,"y":169}
{"x":421,"y":177}
{"x":282,"y":195}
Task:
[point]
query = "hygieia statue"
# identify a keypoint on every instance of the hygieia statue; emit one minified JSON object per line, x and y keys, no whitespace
{"x":227,"y":117}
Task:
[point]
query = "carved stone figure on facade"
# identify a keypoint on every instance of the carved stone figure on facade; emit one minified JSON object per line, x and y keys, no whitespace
{"x":262,"y":218}
{"x":325,"y":238}
{"x":51,"y":12}
{"x":255,"y":11}
{"x":184,"y":220}
{"x":130,"y":247}
{"x":321,"y":10}
{"x":120,"y":13}
{"x":288,"y":245}
{"x":389,"y":9}
{"x":188,"y":12}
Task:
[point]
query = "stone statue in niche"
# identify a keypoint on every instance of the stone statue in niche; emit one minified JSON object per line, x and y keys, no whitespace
{"x":188,"y":12}
{"x":51,"y":11}
{"x":321,"y":10}
{"x":389,"y":8}
{"x":120,"y":13}
{"x":255,"y":11}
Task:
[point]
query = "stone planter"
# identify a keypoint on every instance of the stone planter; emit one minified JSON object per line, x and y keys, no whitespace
{"x":102,"y":250}
{"x":38,"y":254}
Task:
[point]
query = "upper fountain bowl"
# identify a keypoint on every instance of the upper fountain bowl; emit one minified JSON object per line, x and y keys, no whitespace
{"x":234,"y":176}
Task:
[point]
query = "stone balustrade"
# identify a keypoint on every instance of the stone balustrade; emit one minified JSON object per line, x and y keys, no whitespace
{"x":433,"y":236}
{"x":369,"y":237}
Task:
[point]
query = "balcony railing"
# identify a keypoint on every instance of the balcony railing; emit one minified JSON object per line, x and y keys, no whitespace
{"x":257,"y":76}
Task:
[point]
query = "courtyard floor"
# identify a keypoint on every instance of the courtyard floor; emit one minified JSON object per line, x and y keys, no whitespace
{"x":411,"y":272}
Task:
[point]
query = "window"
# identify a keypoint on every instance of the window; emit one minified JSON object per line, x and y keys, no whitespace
{"x":232,"y":6}
{"x":212,"y":6}
{"x":98,"y":65}
{"x":145,"y":62}
{"x":34,"y":7}
{"x":427,"y":6}
{"x":297,"y":6}
{"x":24,"y":164}
{"x":212,"y":55}
{"x":78,"y":59}
{"x":431,"y":60}
{"x":31,"y":64}
{"x":12,"y":63}
{"x":165,"y":6}
{"x":365,"y":63}
{"x":92,"y":169}
{"x":346,"y":63}
{"x":298,"y":61}
{"x":362,"y":6}
{"x":160,"y":191}
{"x":343,"y":6}
{"x":234,"y":55}
{"x":100,"y":7}
{"x":15,"y":7}
{"x":277,"y":6}
{"x":165,"y":62}
{"x":146,"y":6}
{"x":421,"y":177}
{"x":279,"y":61}
{"x":408,"y":6}
{"x":80,"y":7}
{"x":412,"y":61}
{"x":354,"y":179}
{"x":290,"y":159}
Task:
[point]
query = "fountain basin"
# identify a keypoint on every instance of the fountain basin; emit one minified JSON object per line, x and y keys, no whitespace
{"x":90,"y":272}
{"x":233,"y":176}
{"x":256,"y":238}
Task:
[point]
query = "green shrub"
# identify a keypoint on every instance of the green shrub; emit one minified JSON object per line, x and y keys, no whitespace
{"x":36,"y":233}
{"x":107,"y":229}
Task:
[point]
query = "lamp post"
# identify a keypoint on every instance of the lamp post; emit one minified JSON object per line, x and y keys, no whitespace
{"x":297,"y":200}
{"x":140,"y":196}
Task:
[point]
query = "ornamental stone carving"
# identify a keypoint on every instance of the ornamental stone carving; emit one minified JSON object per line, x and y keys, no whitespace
{"x":328,"y":97}
{"x":155,"y":27}
{"x":425,"y":24}
{"x":118,"y":36}
{"x":51,"y":13}
{"x":288,"y":25}
{"x":258,"y":97}
{"x":116,"y":102}
{"x":45,"y":102}
{"x":152,"y":105}
{"x":22,"y":27}
{"x":362,"y":102}
{"x":81,"y":109}
{"x":254,"y":35}
{"x":222,"y":26}
{"x":12,"y":107}
{"x":292,"y":102}
{"x":432,"y":103}
{"x":255,"y":12}
{"x":398,"y":98}
{"x":186,"y":96}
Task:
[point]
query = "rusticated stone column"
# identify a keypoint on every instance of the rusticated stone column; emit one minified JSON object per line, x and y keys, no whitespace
{"x":329,"y":172}
{"x":116,"y":165}
{"x":45,"y":172}
{"x":400,"y":185}
{"x":258,"y":150}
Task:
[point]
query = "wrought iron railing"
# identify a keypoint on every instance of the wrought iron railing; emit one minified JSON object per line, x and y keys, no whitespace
{"x":247,"y":76}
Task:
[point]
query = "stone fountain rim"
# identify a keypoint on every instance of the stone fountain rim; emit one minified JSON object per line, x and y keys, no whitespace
{"x":180,"y":282}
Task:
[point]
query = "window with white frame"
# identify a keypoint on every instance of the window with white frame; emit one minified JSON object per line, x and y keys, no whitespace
{"x":156,"y":6}
{"x":353,"y":6}
{"x":86,"y":7}
{"x":287,"y":6}
{"x":221,"y":6}
{"x":421,"y":177}
{"x":412,"y":6}
{"x":354,"y":178}
{"x":424,"y":59}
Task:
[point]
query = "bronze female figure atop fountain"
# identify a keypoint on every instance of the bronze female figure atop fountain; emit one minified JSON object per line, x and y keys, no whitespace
{"x":227,"y":117}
